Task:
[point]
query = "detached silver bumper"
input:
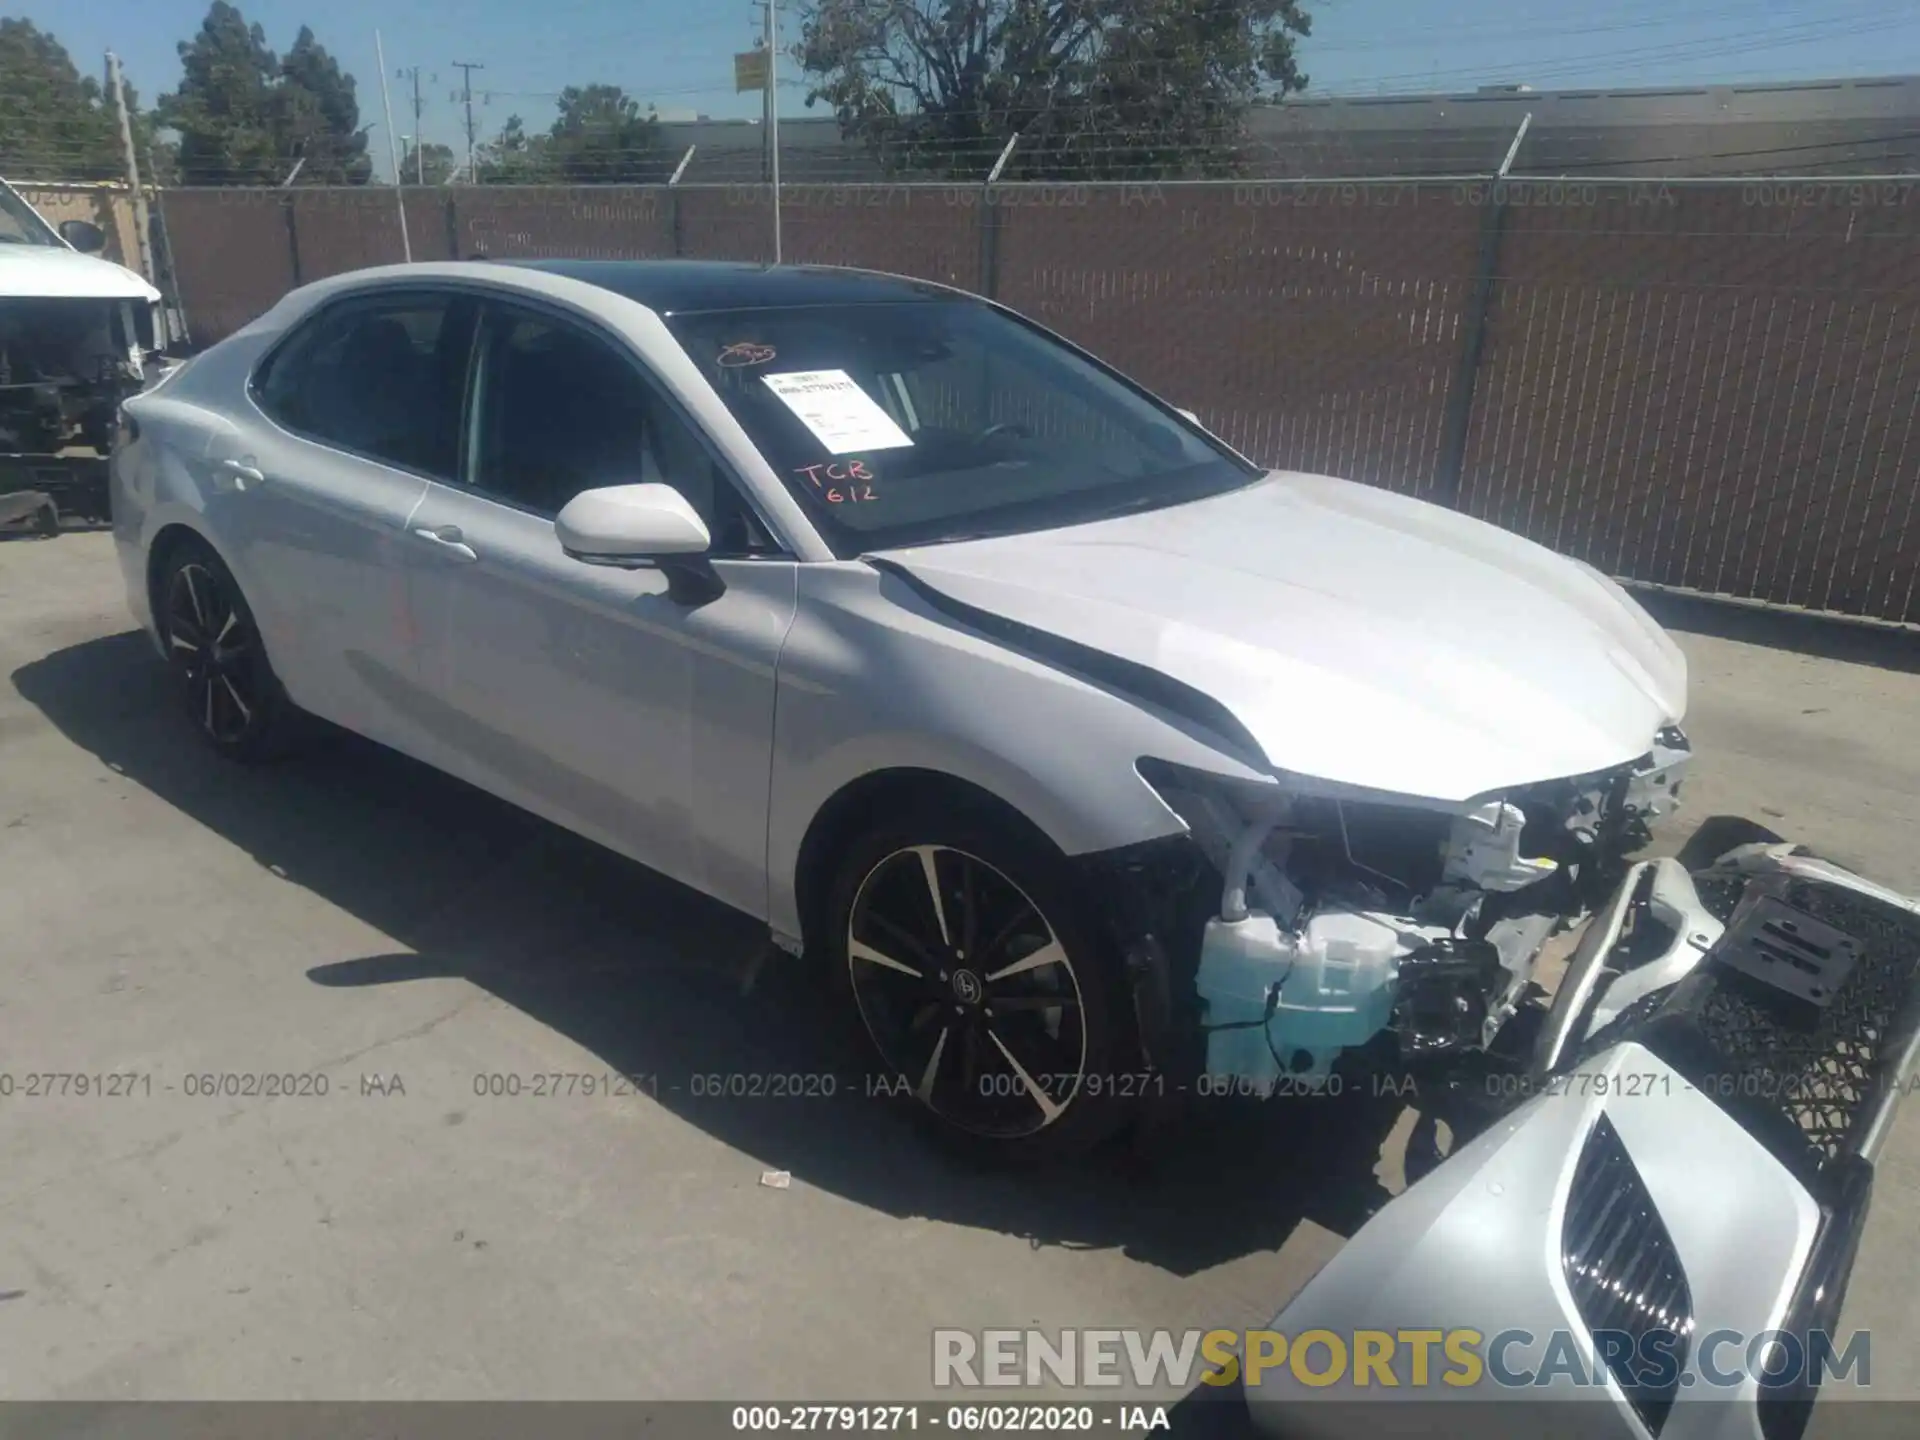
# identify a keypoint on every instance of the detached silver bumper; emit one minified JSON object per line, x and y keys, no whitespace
{"x":1656,"y":1242}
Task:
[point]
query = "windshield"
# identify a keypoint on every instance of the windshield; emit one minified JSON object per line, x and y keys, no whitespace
{"x":18,"y":224}
{"x":918,"y":422}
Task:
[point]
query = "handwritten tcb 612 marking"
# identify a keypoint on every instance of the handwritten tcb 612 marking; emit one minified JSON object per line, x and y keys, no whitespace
{"x":839,"y":483}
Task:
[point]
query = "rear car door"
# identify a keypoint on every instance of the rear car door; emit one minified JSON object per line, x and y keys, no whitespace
{"x":610,"y":700}
{"x":361,"y":405}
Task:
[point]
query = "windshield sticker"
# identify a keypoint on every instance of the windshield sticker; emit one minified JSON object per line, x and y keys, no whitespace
{"x":743,"y":353}
{"x":839,"y":484}
{"x":841,"y":415}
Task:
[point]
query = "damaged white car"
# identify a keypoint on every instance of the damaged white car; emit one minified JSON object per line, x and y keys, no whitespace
{"x":1096,"y":760}
{"x":78,"y":334}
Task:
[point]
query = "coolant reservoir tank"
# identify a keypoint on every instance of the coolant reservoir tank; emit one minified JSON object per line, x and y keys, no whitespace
{"x":1336,"y":988}
{"x":1240,"y":963}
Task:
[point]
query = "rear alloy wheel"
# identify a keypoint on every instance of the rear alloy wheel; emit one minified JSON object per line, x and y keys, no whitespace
{"x":983,"y":993}
{"x":232,"y":694}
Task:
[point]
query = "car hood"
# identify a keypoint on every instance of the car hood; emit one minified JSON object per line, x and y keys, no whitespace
{"x":1361,"y":637}
{"x":53,"y":272}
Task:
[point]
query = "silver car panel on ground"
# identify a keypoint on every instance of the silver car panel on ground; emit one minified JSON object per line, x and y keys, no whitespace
{"x":1758,"y":1219}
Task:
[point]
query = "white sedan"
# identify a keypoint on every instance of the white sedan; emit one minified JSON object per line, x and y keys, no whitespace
{"x":1094,"y":760}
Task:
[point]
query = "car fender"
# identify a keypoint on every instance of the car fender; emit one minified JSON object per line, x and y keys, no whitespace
{"x":874,"y":678}
{"x":164,"y":481}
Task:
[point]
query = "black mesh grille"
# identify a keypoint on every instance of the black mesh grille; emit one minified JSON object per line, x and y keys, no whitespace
{"x":1625,"y":1275}
{"x":1823,"y":1068}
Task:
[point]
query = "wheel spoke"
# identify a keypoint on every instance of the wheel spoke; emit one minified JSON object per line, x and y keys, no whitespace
{"x":179,"y":641}
{"x":193,"y":597}
{"x":1005,"y":933}
{"x":924,"y":1090}
{"x":900,"y":939}
{"x":970,"y":1058}
{"x":1039,"y":1096}
{"x":932,"y":874}
{"x":207,"y":685}
{"x":1048,"y":954}
{"x":860,"y":950}
{"x":233,"y":618}
{"x":246,"y":711}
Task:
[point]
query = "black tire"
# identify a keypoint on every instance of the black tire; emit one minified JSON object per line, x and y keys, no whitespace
{"x":231,"y":693}
{"x":1030,"y":1082}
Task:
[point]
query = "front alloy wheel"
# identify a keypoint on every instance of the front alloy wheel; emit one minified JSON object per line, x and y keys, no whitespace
{"x":232,"y":693}
{"x":212,"y":643}
{"x":967,"y":991}
{"x":991,"y":1001}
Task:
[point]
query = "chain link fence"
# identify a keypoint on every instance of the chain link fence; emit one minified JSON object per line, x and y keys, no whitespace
{"x":1710,"y":386}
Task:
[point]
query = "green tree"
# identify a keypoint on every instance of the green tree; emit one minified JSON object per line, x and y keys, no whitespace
{"x":1093,"y":88}
{"x":428,"y":164}
{"x":55,"y":124}
{"x":600,"y":138}
{"x":246,"y":116}
{"x":513,"y":157}
{"x":224,"y":109}
{"x":316,"y":117}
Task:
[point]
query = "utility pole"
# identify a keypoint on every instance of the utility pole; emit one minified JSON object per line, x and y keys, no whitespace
{"x":419,"y":109}
{"x":143,"y":240}
{"x":466,"y":69}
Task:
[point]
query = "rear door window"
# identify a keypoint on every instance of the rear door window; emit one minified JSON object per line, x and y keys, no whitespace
{"x":382,"y":377}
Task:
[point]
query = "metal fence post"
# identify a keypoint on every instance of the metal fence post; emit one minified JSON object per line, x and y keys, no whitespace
{"x":673,"y":201}
{"x":293,"y":238}
{"x":1449,"y":468}
{"x":452,"y":216}
{"x":989,"y":243}
{"x":990,"y":222}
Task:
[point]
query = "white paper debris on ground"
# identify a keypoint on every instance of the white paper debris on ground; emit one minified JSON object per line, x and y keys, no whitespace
{"x":776,"y":1179}
{"x":841,"y":415}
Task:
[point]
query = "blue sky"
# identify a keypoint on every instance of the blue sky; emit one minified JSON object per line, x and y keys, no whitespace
{"x":676,"y":53}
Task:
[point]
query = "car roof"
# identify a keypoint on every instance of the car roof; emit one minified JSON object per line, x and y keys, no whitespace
{"x":684,"y":287}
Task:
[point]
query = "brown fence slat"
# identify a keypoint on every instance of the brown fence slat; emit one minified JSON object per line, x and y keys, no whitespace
{"x":232,"y":256}
{"x":1313,"y":327}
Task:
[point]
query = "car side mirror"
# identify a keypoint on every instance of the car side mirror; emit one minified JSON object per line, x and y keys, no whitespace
{"x":630,"y":525}
{"x":639,"y":527}
{"x":84,"y":236}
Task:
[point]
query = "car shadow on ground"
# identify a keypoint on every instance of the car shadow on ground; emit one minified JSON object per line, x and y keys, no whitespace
{"x":658,"y":981}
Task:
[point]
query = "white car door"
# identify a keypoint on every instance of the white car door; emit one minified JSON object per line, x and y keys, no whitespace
{"x":623,"y":704}
{"x":361,"y":405}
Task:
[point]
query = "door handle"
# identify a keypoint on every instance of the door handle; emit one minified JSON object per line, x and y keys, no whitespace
{"x":243,"y":473}
{"x":447,"y":540}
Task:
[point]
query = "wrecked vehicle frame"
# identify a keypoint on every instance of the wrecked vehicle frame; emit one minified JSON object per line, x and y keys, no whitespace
{"x":78,"y":336}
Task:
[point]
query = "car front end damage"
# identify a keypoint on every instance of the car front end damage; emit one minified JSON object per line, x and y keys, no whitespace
{"x":1340,"y":932}
{"x":1662,"y":1154}
{"x":66,"y":364}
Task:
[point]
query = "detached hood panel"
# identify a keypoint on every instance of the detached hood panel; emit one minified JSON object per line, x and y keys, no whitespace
{"x":1361,"y":637}
{"x":53,"y":272}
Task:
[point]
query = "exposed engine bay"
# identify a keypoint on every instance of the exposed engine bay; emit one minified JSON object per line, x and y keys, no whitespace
{"x":65,"y":366}
{"x":1353,"y":931}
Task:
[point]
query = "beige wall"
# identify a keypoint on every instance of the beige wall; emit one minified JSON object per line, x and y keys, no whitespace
{"x":108,"y":206}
